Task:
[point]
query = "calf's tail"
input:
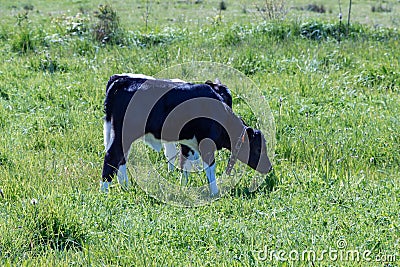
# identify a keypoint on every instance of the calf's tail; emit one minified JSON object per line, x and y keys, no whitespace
{"x":108,"y":102}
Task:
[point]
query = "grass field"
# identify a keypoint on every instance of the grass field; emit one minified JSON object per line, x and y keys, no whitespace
{"x":334,"y":92}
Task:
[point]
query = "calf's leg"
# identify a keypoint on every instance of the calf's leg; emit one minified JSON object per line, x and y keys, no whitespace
{"x":207,"y":150}
{"x":114,"y":163}
{"x":170,"y":153}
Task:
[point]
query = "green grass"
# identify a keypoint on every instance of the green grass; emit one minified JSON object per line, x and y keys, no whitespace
{"x":337,"y":157}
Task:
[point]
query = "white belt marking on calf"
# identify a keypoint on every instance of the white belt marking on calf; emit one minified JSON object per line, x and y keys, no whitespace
{"x":152,"y":142}
{"x":156,"y":144}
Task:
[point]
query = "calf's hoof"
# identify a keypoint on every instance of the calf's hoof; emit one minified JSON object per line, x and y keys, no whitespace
{"x":105,"y":186}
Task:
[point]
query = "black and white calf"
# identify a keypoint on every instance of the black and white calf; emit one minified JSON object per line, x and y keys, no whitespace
{"x":164,"y":111}
{"x":187,"y":157}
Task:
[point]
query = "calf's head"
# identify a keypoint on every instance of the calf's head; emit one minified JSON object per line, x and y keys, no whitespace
{"x":253,"y":151}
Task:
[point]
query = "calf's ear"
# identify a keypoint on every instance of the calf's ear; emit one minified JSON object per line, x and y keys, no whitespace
{"x":213,"y":85}
{"x":250,"y":133}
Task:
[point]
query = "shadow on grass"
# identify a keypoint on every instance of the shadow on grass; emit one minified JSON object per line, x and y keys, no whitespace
{"x":268,"y":185}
